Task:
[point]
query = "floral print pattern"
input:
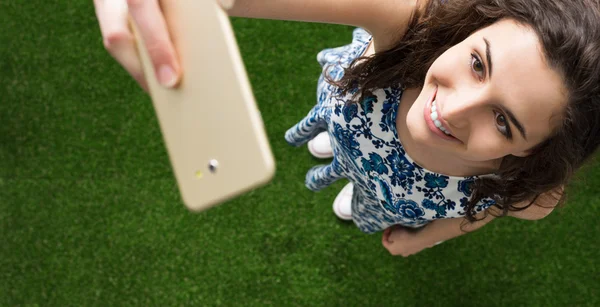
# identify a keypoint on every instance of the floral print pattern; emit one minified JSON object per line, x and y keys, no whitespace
{"x":389,"y":187}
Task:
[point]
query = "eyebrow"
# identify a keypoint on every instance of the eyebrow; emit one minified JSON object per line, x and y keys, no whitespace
{"x":511,"y":115}
{"x":516,"y":123}
{"x":488,"y":55}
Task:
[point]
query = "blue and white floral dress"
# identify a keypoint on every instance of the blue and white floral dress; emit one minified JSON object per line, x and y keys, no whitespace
{"x":389,"y":187}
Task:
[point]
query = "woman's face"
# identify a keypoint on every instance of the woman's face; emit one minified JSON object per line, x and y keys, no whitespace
{"x":493,"y":92}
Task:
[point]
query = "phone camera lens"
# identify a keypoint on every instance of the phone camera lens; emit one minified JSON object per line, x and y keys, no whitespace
{"x":213,"y":165}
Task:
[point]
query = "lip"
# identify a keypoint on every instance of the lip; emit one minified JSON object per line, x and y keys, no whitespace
{"x":431,"y":125}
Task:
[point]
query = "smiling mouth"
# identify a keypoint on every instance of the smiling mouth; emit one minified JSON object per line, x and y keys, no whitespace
{"x":435,"y":118}
{"x":435,"y":122}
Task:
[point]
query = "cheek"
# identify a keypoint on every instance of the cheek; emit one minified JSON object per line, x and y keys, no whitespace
{"x":487,"y":144}
{"x":415,"y":121}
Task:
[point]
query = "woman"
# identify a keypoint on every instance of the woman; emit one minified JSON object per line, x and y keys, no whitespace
{"x":457,"y":109}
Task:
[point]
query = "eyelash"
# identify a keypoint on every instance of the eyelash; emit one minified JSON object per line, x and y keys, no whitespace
{"x":506,"y":133}
{"x":475,"y":57}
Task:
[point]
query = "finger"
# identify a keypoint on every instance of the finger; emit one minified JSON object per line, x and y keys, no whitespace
{"x":226,"y":4}
{"x":117,"y":37}
{"x":385,"y":243}
{"x":386,"y":236}
{"x":153,"y":30}
{"x":112,"y":17}
{"x":126,"y":53}
{"x":389,"y":247}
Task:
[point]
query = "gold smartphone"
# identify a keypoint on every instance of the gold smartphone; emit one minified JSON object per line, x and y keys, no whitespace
{"x":210,"y":123}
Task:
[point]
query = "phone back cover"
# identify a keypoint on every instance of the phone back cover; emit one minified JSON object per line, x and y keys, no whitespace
{"x":210,"y":124}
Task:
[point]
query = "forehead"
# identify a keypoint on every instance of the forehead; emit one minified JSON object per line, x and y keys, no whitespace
{"x":521,"y":79}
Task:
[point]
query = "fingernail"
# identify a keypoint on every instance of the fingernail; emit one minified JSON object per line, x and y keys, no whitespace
{"x":166,"y":76}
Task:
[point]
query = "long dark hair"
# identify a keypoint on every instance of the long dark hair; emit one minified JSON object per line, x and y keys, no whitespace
{"x":569,"y":33}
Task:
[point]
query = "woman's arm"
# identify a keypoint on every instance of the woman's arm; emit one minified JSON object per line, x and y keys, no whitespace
{"x":405,"y":242}
{"x":386,"y":20}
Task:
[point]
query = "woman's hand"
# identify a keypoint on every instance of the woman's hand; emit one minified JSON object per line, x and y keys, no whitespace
{"x":402,"y":241}
{"x":119,"y":40}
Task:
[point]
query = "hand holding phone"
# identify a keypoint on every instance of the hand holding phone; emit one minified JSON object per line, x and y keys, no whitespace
{"x":210,"y":123}
{"x":113,"y":18}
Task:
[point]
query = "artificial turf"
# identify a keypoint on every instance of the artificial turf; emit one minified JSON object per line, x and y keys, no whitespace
{"x":90,"y":213}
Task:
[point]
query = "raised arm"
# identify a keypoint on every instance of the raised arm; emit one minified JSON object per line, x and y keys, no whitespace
{"x":386,"y":20}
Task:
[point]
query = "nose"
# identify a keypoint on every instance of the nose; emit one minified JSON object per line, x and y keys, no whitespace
{"x":459,"y":110}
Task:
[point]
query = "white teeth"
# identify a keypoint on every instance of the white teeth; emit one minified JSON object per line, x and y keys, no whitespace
{"x":434,"y":117}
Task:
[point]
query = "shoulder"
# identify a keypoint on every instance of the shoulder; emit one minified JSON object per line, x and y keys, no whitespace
{"x":542,"y":207}
{"x":533,"y":212}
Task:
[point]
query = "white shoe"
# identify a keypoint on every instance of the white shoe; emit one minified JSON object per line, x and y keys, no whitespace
{"x":320,"y":146}
{"x":342,"y":205}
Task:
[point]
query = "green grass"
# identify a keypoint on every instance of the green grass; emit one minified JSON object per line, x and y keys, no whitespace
{"x":90,"y":213}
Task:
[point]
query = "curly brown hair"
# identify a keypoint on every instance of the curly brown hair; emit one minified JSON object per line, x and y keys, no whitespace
{"x":569,"y":33}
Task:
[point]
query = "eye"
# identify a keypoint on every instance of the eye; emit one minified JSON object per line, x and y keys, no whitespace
{"x":477,"y":66}
{"x":502,"y":124}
